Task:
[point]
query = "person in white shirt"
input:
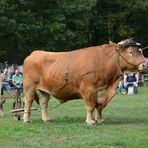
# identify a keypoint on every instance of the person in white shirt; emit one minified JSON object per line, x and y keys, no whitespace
{"x":5,"y":82}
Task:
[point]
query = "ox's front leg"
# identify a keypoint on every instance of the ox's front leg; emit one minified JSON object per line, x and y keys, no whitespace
{"x":89,"y":117}
{"x":43,"y":100}
{"x":99,"y":118}
{"x":89,"y":97}
{"x":103,"y":97}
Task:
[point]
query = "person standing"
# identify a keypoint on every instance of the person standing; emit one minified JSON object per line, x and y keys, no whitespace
{"x":17,"y":80}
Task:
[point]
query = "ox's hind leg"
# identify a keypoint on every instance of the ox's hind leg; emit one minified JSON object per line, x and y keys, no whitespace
{"x":43,"y":101}
{"x":27,"y":109}
{"x":28,"y":100}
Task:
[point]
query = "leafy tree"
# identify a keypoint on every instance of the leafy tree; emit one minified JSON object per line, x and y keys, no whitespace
{"x":62,"y":25}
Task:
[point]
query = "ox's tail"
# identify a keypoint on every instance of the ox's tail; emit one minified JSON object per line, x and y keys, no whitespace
{"x":36,"y":98}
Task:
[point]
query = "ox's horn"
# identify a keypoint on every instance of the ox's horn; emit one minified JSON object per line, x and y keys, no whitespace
{"x":144,"y":48}
{"x":138,"y":44}
{"x":121,"y":43}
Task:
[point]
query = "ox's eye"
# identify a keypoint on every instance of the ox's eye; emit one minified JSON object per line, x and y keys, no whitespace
{"x":140,"y":50}
{"x":130,"y":52}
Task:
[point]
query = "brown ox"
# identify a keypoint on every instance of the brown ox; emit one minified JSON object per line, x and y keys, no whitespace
{"x":91,"y":74}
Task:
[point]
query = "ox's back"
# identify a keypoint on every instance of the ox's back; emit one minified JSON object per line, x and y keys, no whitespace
{"x":79,"y":59}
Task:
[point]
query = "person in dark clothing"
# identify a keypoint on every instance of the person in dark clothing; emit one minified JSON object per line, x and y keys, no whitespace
{"x":131,"y":79}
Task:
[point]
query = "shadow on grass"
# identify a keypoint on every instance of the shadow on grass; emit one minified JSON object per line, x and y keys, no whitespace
{"x":123,"y":120}
{"x":69,"y":120}
{"x":108,"y":121}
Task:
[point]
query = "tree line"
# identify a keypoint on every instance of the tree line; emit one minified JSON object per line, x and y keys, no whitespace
{"x":63,"y":25}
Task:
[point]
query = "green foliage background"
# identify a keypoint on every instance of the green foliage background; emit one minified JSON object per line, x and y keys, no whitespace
{"x":63,"y":25}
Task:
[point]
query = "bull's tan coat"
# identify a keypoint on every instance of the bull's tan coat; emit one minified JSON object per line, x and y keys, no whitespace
{"x":91,"y":74}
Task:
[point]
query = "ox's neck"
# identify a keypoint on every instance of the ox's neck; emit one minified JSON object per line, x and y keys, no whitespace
{"x":103,"y":68}
{"x":111,"y":69}
{"x":112,"y":59}
{"x":114,"y":67}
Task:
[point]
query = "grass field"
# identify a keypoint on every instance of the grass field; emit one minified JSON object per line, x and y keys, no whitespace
{"x":125,"y":126}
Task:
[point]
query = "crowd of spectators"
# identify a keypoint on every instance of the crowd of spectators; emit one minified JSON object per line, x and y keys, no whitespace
{"x":10,"y":81}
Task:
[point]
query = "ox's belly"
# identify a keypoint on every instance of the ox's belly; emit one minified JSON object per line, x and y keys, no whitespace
{"x":64,"y":97}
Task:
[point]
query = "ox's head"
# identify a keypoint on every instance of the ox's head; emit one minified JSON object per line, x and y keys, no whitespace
{"x":131,"y":56}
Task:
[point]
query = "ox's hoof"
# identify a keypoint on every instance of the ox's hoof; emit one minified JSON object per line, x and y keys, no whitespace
{"x":91,"y":122}
{"x":17,"y":118}
{"x":27,"y":122}
{"x":1,"y":114}
{"x":47,"y":121}
{"x":99,"y":121}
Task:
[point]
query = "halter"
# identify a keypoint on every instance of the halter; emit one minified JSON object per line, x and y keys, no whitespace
{"x":126,"y":60}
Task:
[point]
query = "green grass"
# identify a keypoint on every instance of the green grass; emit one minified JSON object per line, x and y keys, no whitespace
{"x":125,"y":126}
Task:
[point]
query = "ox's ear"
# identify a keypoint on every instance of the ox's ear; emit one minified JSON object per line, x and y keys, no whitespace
{"x":113,"y":44}
{"x":110,"y":42}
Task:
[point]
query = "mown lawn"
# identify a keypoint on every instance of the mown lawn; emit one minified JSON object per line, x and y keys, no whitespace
{"x":125,"y":126}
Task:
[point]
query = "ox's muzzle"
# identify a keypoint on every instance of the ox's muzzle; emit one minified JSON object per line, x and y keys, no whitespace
{"x":143,"y":66}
